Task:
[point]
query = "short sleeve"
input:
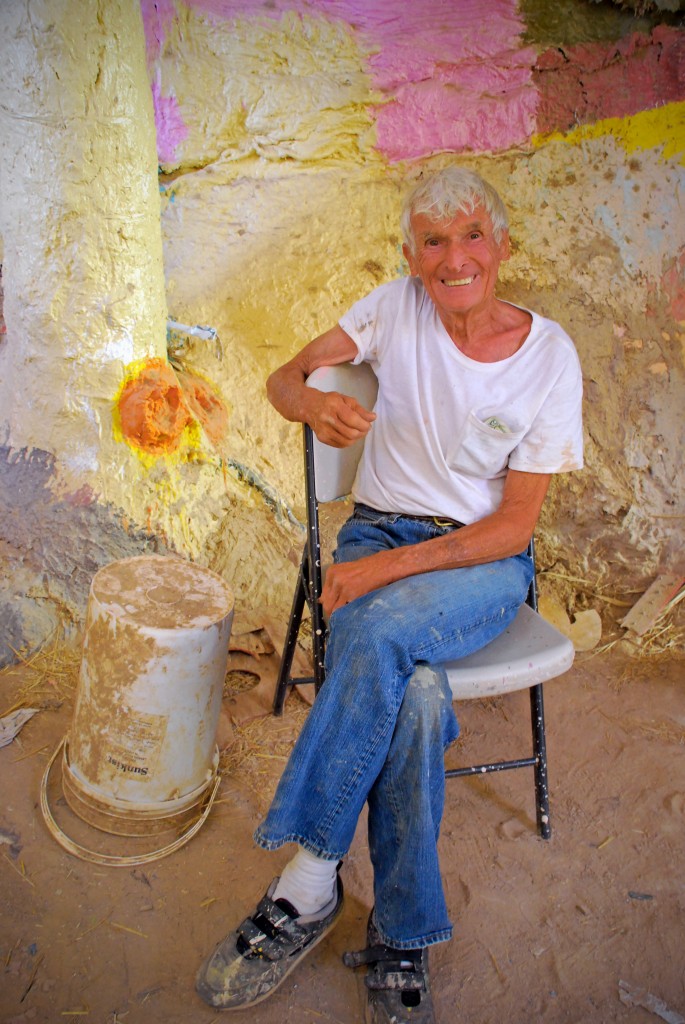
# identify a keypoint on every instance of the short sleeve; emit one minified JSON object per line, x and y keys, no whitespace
{"x":554,"y":442}
{"x":370,"y":321}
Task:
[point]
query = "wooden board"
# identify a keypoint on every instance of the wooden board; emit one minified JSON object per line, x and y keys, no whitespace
{"x":647,"y":609}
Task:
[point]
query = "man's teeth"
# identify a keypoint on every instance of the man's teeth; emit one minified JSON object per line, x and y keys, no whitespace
{"x":459,"y":281}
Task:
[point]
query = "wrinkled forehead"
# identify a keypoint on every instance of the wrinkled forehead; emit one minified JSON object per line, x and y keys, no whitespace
{"x":424,"y":225}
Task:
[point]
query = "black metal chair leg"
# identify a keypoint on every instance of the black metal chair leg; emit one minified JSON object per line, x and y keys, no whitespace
{"x":314,"y":577}
{"x":284,"y":673}
{"x":537,"y":714}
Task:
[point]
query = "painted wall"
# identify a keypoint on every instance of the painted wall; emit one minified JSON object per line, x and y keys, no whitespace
{"x":287,"y":132}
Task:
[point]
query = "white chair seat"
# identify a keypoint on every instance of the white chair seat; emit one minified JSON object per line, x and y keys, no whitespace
{"x":529,"y":651}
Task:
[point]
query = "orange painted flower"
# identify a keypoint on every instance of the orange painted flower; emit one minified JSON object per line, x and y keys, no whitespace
{"x":153,"y":410}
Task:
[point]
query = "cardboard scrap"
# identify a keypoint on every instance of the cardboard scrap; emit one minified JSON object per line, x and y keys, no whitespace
{"x":225,"y":733}
{"x":647,"y":609}
{"x":631,"y":995}
{"x":248,"y":635}
{"x":255,"y":647}
{"x":250,"y":643}
{"x":584,"y":632}
{"x":246,"y":621}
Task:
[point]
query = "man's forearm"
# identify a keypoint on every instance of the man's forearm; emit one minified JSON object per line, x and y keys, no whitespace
{"x":288,"y":393}
{"x":504,"y":533}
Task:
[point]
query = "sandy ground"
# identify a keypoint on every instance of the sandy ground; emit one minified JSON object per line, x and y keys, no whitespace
{"x":545,"y":931}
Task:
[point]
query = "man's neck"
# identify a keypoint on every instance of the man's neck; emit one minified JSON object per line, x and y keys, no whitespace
{"x":490,"y":334}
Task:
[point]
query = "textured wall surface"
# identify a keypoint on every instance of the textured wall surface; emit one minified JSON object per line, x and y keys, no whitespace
{"x":287,"y":132}
{"x":577,"y":119}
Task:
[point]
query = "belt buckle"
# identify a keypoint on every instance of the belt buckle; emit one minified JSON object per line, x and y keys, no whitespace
{"x":442,"y":522}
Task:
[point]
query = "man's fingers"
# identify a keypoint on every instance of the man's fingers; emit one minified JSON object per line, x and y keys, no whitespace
{"x":332,"y":598}
{"x":358,"y":410}
{"x":341,"y":420}
{"x":348,"y":415}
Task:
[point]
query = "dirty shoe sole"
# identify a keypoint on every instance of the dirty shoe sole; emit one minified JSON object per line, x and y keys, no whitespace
{"x":254,"y":960}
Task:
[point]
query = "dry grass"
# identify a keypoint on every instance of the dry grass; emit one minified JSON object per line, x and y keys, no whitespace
{"x":239,"y":680}
{"x":262,"y":747}
{"x":48,"y":678}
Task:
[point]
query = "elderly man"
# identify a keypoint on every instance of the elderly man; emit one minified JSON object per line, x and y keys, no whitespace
{"x":479,"y":403}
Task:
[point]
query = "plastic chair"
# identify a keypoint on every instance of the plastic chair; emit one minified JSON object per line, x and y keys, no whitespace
{"x":528,"y":653}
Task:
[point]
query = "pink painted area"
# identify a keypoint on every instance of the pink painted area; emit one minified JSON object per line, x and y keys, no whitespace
{"x":469,"y":105}
{"x":588,"y":83}
{"x":431,"y":117}
{"x":412,"y":40}
{"x":171,"y":128}
{"x":451,"y":73}
{"x":158,"y":15}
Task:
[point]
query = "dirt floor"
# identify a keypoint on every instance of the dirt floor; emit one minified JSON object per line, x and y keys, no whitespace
{"x":588,"y":927}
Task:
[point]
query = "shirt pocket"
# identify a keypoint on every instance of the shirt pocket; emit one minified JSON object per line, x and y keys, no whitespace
{"x":483,"y":450}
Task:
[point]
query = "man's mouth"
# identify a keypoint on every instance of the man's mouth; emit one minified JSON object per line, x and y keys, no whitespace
{"x":458,"y":282}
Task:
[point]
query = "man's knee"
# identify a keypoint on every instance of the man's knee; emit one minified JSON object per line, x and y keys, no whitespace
{"x":428,"y":693}
{"x":427,"y":713}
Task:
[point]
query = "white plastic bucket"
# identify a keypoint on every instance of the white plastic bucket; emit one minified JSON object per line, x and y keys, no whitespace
{"x":141,"y":751}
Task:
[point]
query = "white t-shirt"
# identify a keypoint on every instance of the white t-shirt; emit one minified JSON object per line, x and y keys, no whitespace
{"x":448,"y":427}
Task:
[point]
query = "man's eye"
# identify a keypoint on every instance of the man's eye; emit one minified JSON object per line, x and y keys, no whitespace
{"x":475,"y":235}
{"x":432,"y":242}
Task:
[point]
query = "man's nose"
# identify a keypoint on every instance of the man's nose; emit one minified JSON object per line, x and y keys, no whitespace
{"x":455,"y":254}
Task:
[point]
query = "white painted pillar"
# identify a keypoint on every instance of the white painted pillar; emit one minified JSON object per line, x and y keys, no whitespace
{"x":79,"y":221}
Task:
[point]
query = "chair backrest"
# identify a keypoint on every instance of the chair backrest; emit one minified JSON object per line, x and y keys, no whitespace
{"x":335,"y":468}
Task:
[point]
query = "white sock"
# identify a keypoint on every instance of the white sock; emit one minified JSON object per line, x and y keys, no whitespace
{"x":308,"y":882}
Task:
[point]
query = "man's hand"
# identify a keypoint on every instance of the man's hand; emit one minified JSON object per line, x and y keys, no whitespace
{"x":338,"y":420}
{"x":349,"y":580}
{"x":335,"y":419}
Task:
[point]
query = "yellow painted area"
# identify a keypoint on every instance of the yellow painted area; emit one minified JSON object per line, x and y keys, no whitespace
{"x":662,"y":128}
{"x":287,"y":89}
{"x":80,"y":227}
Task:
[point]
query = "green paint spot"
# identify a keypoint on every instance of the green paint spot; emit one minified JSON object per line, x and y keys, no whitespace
{"x":569,"y":22}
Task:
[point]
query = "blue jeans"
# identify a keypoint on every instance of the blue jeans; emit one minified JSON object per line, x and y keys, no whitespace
{"x":379,"y":726}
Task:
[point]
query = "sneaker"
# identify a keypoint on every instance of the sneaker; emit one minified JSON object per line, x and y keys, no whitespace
{"x":252,"y":962}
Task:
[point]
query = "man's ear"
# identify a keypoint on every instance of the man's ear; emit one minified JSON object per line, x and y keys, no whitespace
{"x":505,"y":246}
{"x":411,"y":260}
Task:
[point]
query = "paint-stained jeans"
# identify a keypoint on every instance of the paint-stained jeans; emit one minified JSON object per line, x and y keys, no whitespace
{"x":378,"y":728}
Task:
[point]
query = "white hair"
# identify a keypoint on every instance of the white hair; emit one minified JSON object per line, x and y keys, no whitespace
{"x":451,"y":191}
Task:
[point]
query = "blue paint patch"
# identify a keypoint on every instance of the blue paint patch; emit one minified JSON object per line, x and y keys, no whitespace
{"x":610,"y":222}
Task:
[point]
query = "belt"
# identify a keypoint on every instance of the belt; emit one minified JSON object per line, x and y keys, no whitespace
{"x":435,"y":520}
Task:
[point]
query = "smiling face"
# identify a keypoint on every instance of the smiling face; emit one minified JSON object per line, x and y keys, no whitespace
{"x":457,"y":261}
